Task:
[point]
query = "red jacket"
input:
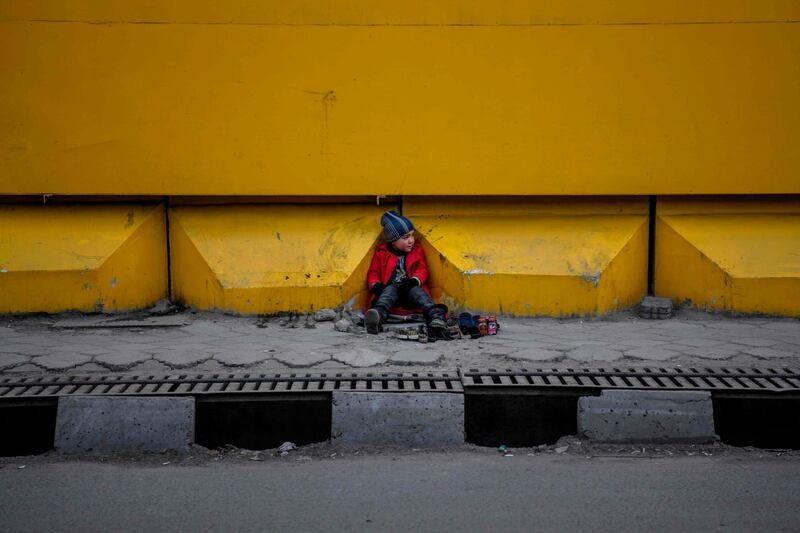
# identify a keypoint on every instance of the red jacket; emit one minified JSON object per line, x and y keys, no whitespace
{"x":384,"y":261}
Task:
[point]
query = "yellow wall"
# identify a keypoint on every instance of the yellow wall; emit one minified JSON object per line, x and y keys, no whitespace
{"x":540,"y":256}
{"x":577,"y":98}
{"x":734,"y":255}
{"x":82,"y":257}
{"x":332,"y":100}
{"x":418,"y":12}
{"x":271,"y":258}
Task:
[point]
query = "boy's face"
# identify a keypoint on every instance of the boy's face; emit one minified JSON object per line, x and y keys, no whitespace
{"x":404,"y":243}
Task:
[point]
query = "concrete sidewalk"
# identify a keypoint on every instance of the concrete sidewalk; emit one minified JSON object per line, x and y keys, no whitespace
{"x":206,"y":342}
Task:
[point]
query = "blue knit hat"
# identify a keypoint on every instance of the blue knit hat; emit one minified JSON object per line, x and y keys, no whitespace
{"x":395,"y":225}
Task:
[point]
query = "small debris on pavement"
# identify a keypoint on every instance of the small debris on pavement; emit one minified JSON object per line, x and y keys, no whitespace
{"x":562,"y":449}
{"x":343,"y":325}
{"x":325,"y":315}
{"x":502,"y":448}
{"x":289,"y":320}
{"x":165,"y":463}
{"x":286,"y":447}
{"x":163,"y":307}
{"x":20,"y":467}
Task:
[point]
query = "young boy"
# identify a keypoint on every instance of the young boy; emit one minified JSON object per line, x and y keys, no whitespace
{"x":398,"y":276}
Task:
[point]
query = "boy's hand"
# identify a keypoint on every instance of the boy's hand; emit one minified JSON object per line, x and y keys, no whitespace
{"x":377,"y":288}
{"x":406,"y":285}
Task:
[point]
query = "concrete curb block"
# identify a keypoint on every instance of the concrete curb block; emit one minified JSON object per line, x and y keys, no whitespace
{"x":134,"y":424}
{"x":635,"y":416}
{"x":417,"y":419}
{"x":124,"y":424}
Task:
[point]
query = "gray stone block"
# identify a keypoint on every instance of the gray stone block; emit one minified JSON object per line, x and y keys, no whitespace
{"x":416,"y":418}
{"x":124,"y":424}
{"x":631,"y":416}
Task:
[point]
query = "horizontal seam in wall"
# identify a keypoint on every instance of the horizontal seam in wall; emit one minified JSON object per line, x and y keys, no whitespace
{"x":408,"y":25}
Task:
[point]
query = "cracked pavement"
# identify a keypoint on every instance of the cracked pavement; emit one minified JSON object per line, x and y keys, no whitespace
{"x":208,"y":342}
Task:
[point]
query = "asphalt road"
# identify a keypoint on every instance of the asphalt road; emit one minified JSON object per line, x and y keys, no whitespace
{"x":455,"y":491}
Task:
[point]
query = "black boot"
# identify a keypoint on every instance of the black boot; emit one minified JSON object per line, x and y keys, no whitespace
{"x":373,"y":319}
{"x":435,"y":317}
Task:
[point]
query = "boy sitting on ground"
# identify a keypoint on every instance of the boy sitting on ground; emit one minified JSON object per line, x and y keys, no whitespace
{"x":398,"y":276}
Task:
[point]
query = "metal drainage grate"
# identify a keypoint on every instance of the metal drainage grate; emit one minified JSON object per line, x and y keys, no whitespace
{"x":738,"y":380}
{"x":200,"y":384}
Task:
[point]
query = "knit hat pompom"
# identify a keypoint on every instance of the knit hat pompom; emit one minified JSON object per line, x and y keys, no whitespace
{"x":395,"y":225}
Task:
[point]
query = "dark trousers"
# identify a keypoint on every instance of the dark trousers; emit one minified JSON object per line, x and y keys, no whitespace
{"x":390,"y":297}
